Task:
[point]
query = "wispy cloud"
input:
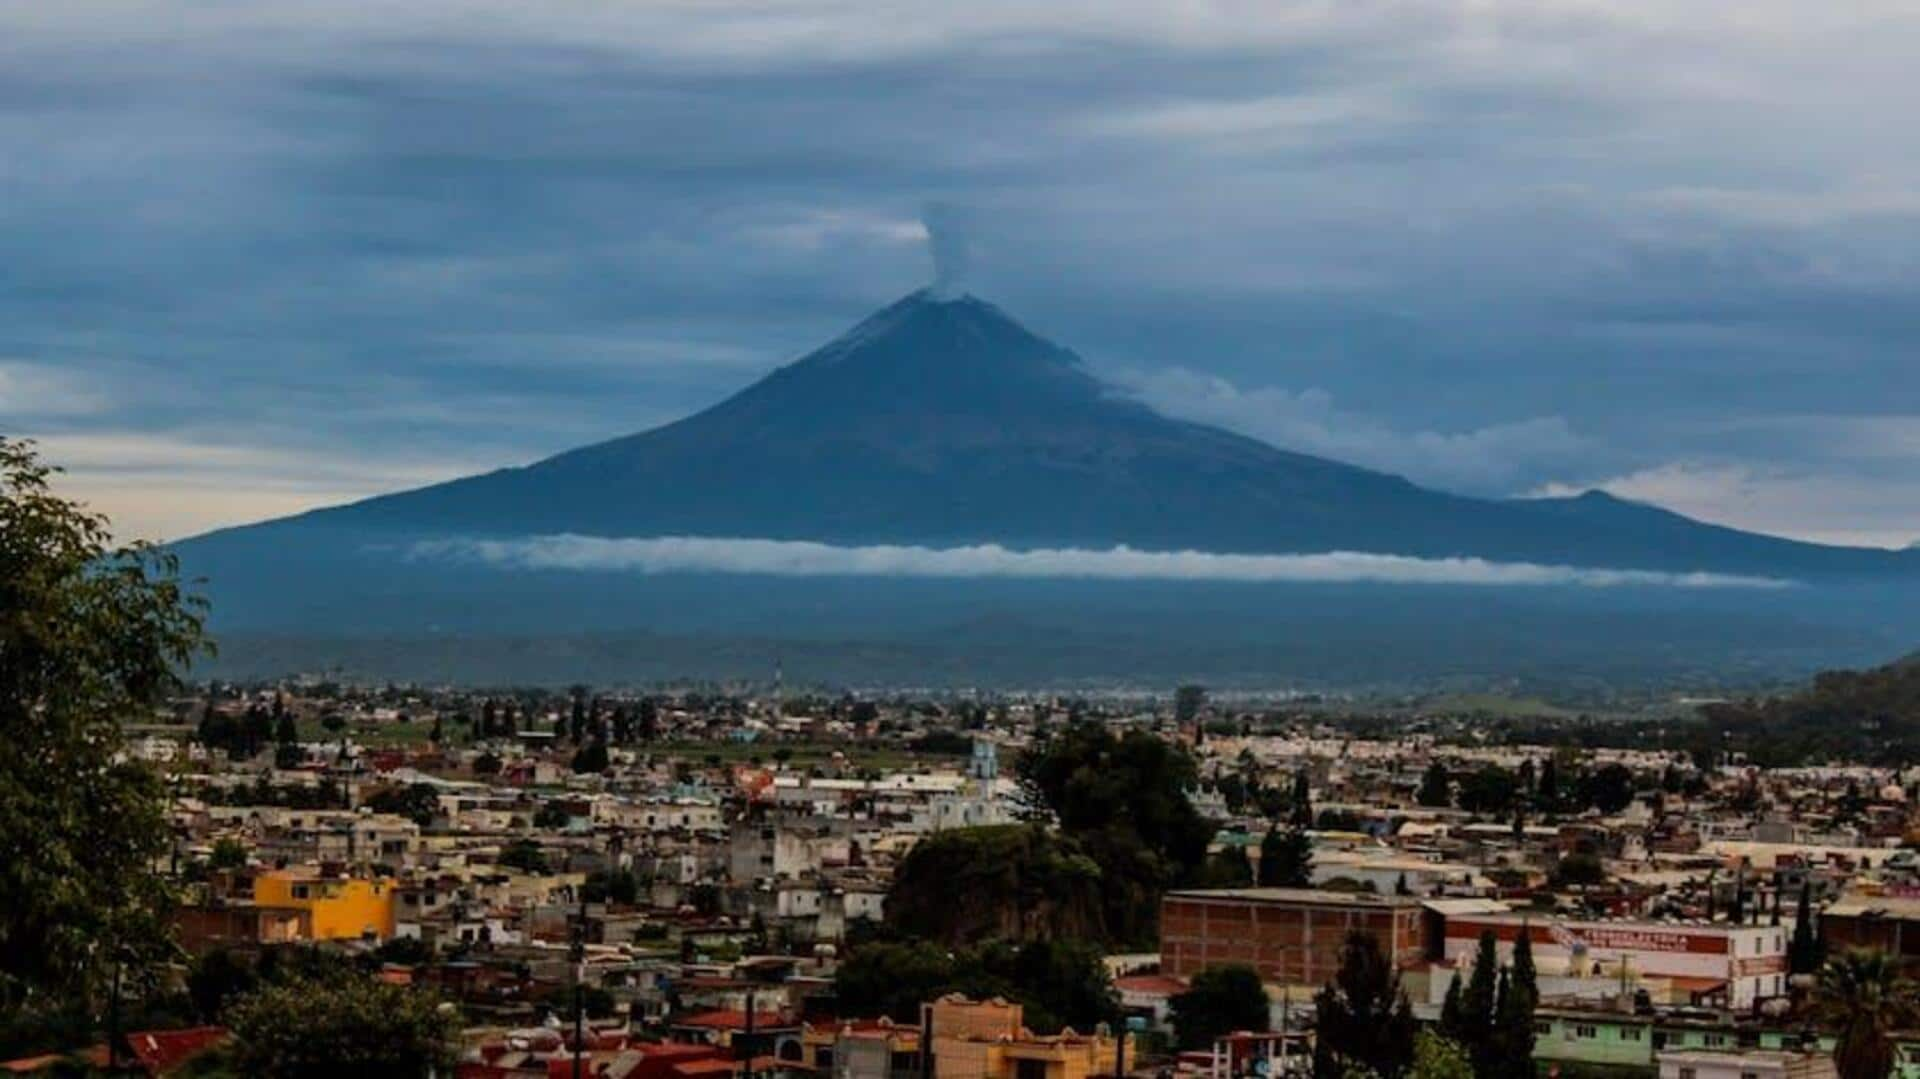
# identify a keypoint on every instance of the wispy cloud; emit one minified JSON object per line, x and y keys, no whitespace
{"x":1826,"y":507}
{"x":795,"y":558}
{"x":1495,"y":459}
{"x":37,"y":391}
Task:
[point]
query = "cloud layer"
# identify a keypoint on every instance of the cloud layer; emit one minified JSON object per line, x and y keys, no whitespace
{"x":791,"y":558}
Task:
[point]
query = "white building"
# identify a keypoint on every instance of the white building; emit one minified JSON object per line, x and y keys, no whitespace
{"x":1748,"y":962}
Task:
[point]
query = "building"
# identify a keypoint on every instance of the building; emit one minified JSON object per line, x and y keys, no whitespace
{"x":1888,"y":923}
{"x":987,"y":1039}
{"x":1292,"y":936}
{"x":1754,"y":1064}
{"x":1737,"y":965}
{"x":336,"y":908}
{"x":1600,"y":1041}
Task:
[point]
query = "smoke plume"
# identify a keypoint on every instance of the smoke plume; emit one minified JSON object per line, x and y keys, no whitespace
{"x":950,"y":246}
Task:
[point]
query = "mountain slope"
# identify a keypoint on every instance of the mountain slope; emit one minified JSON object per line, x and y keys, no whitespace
{"x":946,"y":422}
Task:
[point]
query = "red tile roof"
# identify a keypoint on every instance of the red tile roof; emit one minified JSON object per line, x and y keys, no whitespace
{"x":161,"y":1051}
{"x":732,"y":1019}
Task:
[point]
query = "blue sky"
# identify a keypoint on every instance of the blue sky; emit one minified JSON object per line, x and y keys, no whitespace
{"x":256,"y":257}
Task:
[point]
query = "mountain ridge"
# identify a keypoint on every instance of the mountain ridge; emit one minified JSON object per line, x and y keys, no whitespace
{"x":945,"y":422}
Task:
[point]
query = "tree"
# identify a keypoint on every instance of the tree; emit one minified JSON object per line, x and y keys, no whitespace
{"x":418,"y":802}
{"x":1219,"y":1000}
{"x":1509,"y":1048}
{"x":1805,"y":951}
{"x":1438,"y":1057}
{"x":1302,"y":813}
{"x":486,"y":764}
{"x":1436,"y":787}
{"x":1547,"y":795}
{"x":284,"y":731}
{"x":1473,"y":1025}
{"x":1452,"y":1016}
{"x":1490,"y":790}
{"x":90,"y":633}
{"x":1286,"y":859}
{"x":341,"y":1025}
{"x":1123,"y":801}
{"x":1025,"y":882}
{"x":1610,"y":789}
{"x":524,"y":855}
{"x":1362,"y":1018}
{"x":619,"y":886}
{"x":1229,"y":868}
{"x":1863,"y":999}
{"x":1059,"y":982}
{"x":228,"y":853}
{"x":215,"y":978}
{"x":591,"y":759}
{"x":1187,"y":703}
{"x":891,"y":978}
{"x":1581,"y":867}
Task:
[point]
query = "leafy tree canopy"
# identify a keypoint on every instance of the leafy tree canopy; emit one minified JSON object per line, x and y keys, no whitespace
{"x":1220,"y":1000}
{"x":1123,"y":800}
{"x":90,"y":634}
{"x":341,"y":1026}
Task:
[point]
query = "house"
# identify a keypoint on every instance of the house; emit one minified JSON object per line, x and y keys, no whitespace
{"x":336,"y":908}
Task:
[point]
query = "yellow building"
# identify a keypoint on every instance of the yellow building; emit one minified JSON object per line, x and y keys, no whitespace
{"x":336,"y":908}
{"x":986,"y":1040}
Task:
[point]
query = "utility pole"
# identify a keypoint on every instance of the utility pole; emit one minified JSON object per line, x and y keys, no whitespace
{"x":579,"y":956}
{"x":746,"y":1039}
{"x":1120,"y":1050}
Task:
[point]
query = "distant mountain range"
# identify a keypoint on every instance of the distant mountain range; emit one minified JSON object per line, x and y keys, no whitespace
{"x":936,"y":423}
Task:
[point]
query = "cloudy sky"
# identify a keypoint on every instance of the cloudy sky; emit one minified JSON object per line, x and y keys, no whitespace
{"x":259,"y":256}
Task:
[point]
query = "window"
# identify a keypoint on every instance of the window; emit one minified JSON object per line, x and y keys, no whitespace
{"x":1542,"y":1029}
{"x":1630,"y":1034}
{"x":1714,"y":1041}
{"x":1030,"y":1069}
{"x":1686,"y":1073}
{"x":1585,"y":1031}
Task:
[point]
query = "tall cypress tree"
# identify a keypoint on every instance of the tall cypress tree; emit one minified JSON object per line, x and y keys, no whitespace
{"x":1479,"y":999}
{"x":1302,"y":801}
{"x":1513,"y":1023}
{"x":1804,"y":950}
{"x":1451,"y":1019}
{"x":1362,"y":1018}
{"x":1490,"y":1054}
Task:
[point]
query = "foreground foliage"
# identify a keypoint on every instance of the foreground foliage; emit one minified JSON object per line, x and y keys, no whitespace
{"x":90,"y":636}
{"x":1861,"y":996}
{"x":340,"y":1025}
{"x":1060,"y":983}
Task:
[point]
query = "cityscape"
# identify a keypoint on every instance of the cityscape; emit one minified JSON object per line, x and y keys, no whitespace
{"x":818,"y":539}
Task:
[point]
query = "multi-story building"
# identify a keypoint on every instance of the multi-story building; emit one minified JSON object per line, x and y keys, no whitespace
{"x":336,"y":908}
{"x":1292,"y":936}
{"x":1738,"y":964}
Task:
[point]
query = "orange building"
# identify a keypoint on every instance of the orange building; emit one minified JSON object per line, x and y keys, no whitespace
{"x":986,"y":1040}
{"x":335,"y":908}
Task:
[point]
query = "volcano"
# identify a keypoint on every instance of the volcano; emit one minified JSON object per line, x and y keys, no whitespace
{"x":937,"y":423}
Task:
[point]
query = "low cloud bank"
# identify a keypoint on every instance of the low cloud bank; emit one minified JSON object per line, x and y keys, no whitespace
{"x":799,"y":558}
